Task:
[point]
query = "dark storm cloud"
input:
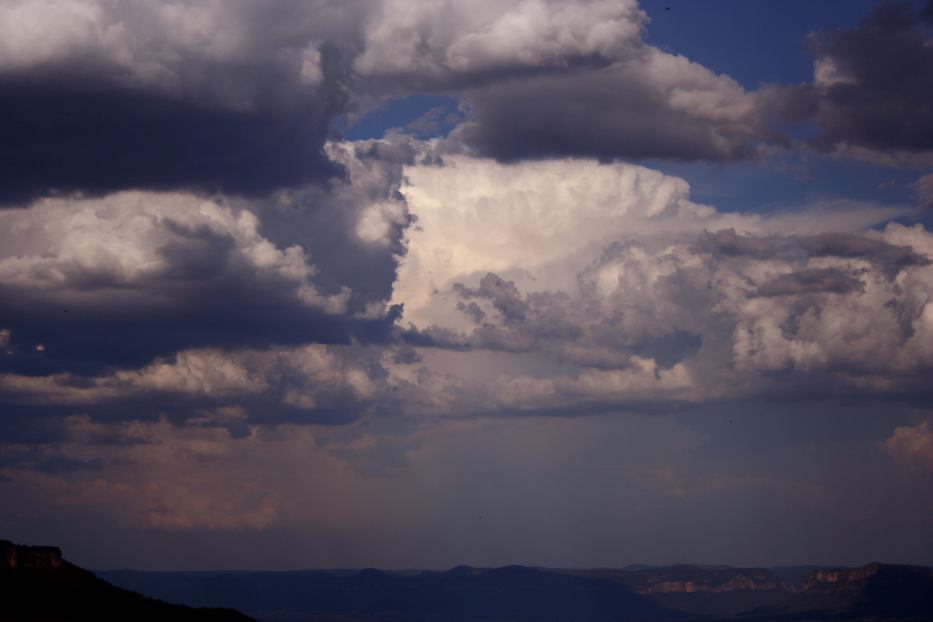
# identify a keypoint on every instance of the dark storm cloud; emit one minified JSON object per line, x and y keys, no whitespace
{"x":90,"y":340}
{"x":234,"y":97}
{"x":621,"y":112}
{"x":873,"y":85}
{"x":810,"y":281}
{"x":354,"y":226}
{"x":93,"y":139}
{"x":503,"y":295}
{"x":890,"y":258}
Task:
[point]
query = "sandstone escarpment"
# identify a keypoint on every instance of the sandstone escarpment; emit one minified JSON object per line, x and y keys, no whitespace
{"x":836,"y":579}
{"x":697,"y":579}
{"x":17,"y":556}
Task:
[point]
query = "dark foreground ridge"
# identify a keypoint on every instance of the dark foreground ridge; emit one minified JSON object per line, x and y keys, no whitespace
{"x":872,"y":593}
{"x":36,"y":584}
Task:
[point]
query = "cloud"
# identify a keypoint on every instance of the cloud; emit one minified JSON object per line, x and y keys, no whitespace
{"x":540,"y":221}
{"x":89,"y":283}
{"x":615,"y":289}
{"x":655,"y":105}
{"x":543,"y":78}
{"x":121,"y":279}
{"x":230,"y":96}
{"x":354,"y":226}
{"x":182,"y":48}
{"x":445,"y":43}
{"x":589,"y":286}
{"x":871,"y":90}
{"x":164,"y":485}
{"x":211,"y":388}
{"x":809,"y":281}
{"x":923,"y":188}
{"x":890,"y":258}
{"x":912,"y":445}
{"x":238,"y":97}
{"x":540,"y":224}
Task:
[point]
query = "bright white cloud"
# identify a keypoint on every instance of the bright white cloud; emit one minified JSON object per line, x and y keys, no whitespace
{"x":614,"y":271}
{"x":436,"y":38}
{"x":542,"y":223}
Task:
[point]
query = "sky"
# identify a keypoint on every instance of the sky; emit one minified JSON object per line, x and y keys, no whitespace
{"x":414,"y":284}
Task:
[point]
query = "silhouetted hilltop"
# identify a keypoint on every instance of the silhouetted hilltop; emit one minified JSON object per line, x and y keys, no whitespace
{"x":36,"y":584}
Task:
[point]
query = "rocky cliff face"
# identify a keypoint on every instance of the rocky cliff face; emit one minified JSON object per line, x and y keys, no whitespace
{"x":841,"y":579}
{"x":697,"y":579}
{"x":834,"y":578}
{"x":17,"y":556}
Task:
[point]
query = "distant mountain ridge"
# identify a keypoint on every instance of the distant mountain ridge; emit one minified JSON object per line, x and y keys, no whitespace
{"x":38,"y":585}
{"x":874,"y":592}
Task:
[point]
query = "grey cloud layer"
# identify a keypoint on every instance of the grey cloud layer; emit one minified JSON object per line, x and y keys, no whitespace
{"x":239,"y":96}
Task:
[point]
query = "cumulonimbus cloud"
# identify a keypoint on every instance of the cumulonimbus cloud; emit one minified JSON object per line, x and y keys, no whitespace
{"x":612,"y":268}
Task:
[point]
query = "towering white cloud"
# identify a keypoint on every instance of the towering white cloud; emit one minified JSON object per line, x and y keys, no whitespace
{"x":643,"y":294}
